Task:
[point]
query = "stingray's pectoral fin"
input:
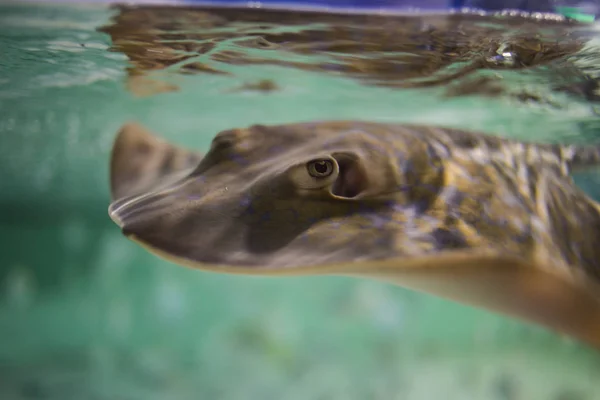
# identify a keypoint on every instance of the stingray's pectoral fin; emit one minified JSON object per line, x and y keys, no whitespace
{"x":141,"y":162}
{"x":504,"y":285}
{"x":582,"y":158}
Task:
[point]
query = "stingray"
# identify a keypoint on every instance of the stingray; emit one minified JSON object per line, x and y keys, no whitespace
{"x":486,"y":221}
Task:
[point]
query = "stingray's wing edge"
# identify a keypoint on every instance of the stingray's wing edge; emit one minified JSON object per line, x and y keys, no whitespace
{"x":506,"y":285}
{"x":141,"y":162}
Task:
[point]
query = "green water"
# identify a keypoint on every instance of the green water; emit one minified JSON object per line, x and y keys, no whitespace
{"x":86,"y":314}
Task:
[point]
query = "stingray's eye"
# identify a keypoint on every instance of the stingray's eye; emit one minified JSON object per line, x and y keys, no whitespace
{"x":320,"y":168}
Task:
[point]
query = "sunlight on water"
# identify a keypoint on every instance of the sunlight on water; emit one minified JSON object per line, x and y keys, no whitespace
{"x":86,"y":314}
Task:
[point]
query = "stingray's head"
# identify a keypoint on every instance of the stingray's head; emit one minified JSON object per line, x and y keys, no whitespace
{"x":270,"y":197}
{"x":328,"y":198}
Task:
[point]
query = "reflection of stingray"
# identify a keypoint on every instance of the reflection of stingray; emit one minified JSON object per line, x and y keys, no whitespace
{"x":487,"y":221}
{"x":264,"y":85}
{"x":385,"y":50}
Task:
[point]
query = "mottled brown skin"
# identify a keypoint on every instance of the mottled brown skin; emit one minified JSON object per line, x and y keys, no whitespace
{"x":483,"y":220}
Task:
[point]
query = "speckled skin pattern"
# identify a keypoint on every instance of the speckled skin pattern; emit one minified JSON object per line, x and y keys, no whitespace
{"x":482,"y":220}
{"x":418,"y":190}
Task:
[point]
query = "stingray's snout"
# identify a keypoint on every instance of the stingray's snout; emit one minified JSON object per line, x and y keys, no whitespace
{"x":138,"y":210}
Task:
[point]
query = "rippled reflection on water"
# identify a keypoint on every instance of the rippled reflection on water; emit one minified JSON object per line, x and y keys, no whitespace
{"x":466,"y":54}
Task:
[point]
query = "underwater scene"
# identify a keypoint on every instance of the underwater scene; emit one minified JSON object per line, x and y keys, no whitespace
{"x":87,"y":313}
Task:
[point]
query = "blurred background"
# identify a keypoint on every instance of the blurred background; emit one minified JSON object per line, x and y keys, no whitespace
{"x":87,"y":314}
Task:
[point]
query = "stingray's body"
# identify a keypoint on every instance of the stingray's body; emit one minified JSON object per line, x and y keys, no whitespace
{"x":478,"y":219}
